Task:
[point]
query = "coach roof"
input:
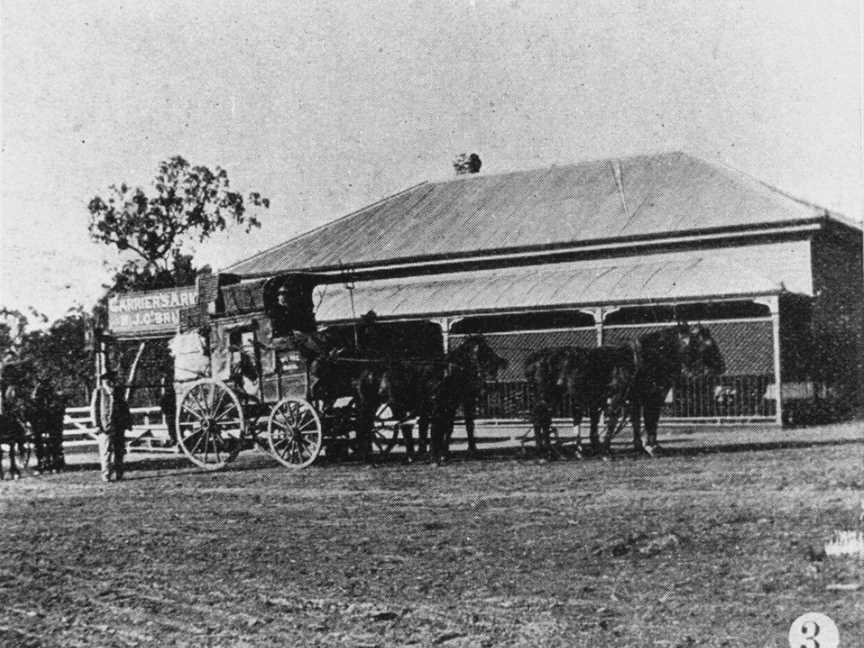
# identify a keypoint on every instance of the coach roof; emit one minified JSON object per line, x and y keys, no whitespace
{"x":638,"y":198}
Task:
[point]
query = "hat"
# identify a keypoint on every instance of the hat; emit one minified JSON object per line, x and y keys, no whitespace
{"x":108,"y":374}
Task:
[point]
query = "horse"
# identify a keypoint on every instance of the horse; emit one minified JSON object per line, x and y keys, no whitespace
{"x":470,"y":365}
{"x":662,"y":356}
{"x":552,"y":374}
{"x":45,"y":411}
{"x":13,"y":433}
{"x":595,"y":380}
{"x":406,"y":387}
{"x":430,"y":390}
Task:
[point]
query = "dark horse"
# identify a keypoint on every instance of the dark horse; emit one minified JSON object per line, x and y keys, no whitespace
{"x":350,"y":362}
{"x":552,"y":375}
{"x":614,"y":379}
{"x":469,"y":367}
{"x":662,"y":357}
{"x":13,"y":434}
{"x":594,"y":381}
{"x":430,"y":390}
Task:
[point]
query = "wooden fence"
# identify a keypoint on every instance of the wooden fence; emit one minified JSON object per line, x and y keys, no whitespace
{"x":149,"y":431}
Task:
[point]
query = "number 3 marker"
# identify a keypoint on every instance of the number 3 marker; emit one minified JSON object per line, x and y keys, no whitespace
{"x":814,"y":630}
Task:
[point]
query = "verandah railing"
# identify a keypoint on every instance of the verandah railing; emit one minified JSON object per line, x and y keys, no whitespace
{"x":734,"y":399}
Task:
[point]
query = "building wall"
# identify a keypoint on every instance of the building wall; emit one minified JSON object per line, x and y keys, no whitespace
{"x":838,"y":312}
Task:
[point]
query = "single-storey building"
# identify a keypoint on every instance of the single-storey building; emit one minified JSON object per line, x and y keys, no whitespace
{"x":600,"y":252}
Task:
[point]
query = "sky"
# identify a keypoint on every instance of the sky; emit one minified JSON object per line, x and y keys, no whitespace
{"x":325,"y":107}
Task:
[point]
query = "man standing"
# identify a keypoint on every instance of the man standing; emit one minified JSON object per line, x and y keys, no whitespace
{"x":112,"y":417}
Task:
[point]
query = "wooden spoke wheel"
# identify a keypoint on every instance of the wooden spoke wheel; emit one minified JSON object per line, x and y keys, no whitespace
{"x":294,"y":433}
{"x":385,"y":431}
{"x":210,"y":424}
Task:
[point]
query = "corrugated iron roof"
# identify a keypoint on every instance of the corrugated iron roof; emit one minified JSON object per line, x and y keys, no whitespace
{"x":573,"y":284}
{"x":664,"y":193}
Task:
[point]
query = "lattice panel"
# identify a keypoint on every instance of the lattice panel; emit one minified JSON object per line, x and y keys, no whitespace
{"x":740,"y":393}
{"x":515,"y":347}
{"x":747,"y":347}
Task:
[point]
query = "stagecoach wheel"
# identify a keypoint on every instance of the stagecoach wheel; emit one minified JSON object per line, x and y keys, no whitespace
{"x":385,"y":433}
{"x":294,"y":433}
{"x":210,"y":424}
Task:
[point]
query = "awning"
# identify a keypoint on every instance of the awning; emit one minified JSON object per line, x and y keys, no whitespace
{"x":564,"y":285}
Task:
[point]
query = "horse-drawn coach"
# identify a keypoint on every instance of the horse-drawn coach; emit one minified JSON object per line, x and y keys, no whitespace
{"x":253,"y":370}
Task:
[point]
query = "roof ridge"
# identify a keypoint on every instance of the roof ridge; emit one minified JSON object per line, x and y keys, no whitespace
{"x":569,"y":165}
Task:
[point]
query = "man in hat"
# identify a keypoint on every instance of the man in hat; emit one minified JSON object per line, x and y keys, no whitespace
{"x":112,"y":417}
{"x":282,"y":313}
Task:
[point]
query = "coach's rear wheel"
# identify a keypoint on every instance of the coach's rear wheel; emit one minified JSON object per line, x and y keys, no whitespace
{"x":294,"y":433}
{"x":210,"y":424}
{"x":385,"y":433}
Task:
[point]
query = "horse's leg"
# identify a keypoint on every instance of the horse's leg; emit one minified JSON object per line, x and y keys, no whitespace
{"x":598,"y":446}
{"x":39,"y":449}
{"x":468,"y":409}
{"x":55,"y":443}
{"x":23,"y":452}
{"x":1,"y":460}
{"x":542,"y":423}
{"x":436,"y":449}
{"x":577,"y":430}
{"x":446,"y":423}
{"x":636,"y":422}
{"x":423,"y":435}
{"x":365,"y":426}
{"x":408,"y":439}
{"x":604,"y":441}
{"x":537,"y":424}
{"x":652,"y":418}
{"x":14,"y":473}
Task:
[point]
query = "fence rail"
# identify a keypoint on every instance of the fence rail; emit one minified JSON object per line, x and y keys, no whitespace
{"x":149,"y":431}
{"x":736,"y":400}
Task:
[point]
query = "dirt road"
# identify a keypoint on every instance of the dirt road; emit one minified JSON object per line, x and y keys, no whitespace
{"x":714,"y":544}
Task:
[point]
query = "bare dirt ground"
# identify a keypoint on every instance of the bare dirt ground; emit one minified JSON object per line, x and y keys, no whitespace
{"x":717,"y":543}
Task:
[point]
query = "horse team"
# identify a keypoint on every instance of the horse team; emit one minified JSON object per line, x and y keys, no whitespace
{"x":35,"y":420}
{"x":628,"y":381}
{"x":624,"y":382}
{"x":413,"y":378}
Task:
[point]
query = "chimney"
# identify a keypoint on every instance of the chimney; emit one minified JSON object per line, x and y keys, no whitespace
{"x":465,"y":164}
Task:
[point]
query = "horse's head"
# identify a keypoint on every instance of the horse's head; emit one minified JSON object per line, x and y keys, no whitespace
{"x":326,"y":374}
{"x":477,"y":355}
{"x":699,"y":352}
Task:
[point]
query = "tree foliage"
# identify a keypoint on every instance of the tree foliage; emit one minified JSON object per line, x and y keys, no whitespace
{"x":59,"y":355}
{"x":132,"y":276}
{"x":56,"y":355}
{"x":13,"y":325}
{"x":187,"y":203}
